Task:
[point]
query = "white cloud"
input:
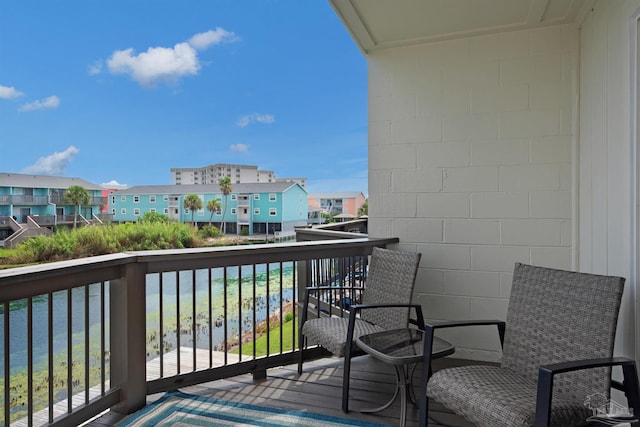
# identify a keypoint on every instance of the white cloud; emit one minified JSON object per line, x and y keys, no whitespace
{"x":156,"y":64}
{"x":265,"y":119}
{"x":202,"y":41}
{"x":50,"y":102}
{"x":243,"y":148}
{"x":95,"y":68}
{"x":113,"y":184}
{"x":54,"y":164}
{"x":164,"y":64}
{"x":8,"y":92}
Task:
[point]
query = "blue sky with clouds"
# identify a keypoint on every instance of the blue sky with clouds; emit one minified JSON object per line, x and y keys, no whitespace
{"x":122,"y":91}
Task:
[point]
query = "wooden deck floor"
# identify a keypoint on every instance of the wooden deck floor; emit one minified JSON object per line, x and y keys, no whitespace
{"x":319,"y":390}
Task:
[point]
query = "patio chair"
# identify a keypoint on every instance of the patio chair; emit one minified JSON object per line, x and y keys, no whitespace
{"x":385,"y":305}
{"x":557,"y":347}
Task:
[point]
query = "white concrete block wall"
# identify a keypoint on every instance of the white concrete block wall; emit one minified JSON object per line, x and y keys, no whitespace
{"x":470,"y":164}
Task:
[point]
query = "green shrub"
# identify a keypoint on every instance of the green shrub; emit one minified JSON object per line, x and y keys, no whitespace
{"x":288,"y":317}
{"x":105,"y":239}
{"x":154,"y":217}
{"x":210,"y":231}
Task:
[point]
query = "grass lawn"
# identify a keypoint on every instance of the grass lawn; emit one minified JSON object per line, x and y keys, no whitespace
{"x":288,"y":340}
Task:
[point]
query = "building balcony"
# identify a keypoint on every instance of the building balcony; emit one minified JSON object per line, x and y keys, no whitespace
{"x":201,"y":308}
{"x":23,"y":200}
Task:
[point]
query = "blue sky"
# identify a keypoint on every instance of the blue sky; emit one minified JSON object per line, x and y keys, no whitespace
{"x":122,"y":91}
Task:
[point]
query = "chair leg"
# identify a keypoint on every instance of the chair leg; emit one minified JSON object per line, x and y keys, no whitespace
{"x":345,"y":383}
{"x":631,"y":386}
{"x":300,"y":356}
{"x":423,"y":401}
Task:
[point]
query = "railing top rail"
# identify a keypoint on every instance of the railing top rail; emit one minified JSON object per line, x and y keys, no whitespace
{"x":170,"y":260}
{"x":23,"y":282}
{"x":28,"y":281}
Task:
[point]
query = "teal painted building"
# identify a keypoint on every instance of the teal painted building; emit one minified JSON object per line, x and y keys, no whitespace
{"x":42,"y":198}
{"x":251,"y":208}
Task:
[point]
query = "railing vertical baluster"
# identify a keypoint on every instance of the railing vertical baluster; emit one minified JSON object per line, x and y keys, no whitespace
{"x":281,"y":308}
{"x":86,"y":344}
{"x":194,"y":314}
{"x":7,"y":384}
{"x":268,"y":328}
{"x":69,"y":351}
{"x":255,"y":326}
{"x":103,"y":319}
{"x":240,"y":313}
{"x":30,"y":361}
{"x":210,"y":290}
{"x":294,"y":298}
{"x":50,"y":354}
{"x":178,"y":331}
{"x":161,"y":321}
{"x":225,"y":324}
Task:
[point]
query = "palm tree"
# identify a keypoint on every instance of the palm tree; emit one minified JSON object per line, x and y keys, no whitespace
{"x":213,"y":206}
{"x":193,"y":202}
{"x":364,"y":209}
{"x":226,"y":188}
{"x":76,"y":195}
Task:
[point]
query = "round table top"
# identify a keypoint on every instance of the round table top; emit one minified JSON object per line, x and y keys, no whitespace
{"x":401,"y":346}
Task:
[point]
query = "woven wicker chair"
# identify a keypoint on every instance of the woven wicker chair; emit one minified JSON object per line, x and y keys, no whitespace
{"x":557,"y":352}
{"x":385,"y":305}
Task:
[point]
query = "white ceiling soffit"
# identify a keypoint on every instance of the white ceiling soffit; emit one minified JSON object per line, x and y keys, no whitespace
{"x":380,"y":24}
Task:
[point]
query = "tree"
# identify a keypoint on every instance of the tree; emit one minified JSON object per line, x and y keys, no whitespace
{"x":226,"y":188}
{"x":213,"y":206}
{"x":364,"y":209}
{"x":193,"y":202}
{"x":76,"y":195}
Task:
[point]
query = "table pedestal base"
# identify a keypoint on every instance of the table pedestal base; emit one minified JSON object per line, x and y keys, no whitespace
{"x":404,"y":388}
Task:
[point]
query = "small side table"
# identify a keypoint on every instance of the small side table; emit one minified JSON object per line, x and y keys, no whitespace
{"x":401,"y":348}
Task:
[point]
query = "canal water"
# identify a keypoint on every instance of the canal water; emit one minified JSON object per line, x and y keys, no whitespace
{"x":177,"y":296}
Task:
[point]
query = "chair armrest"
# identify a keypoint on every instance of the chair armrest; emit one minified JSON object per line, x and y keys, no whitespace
{"x":546,"y":373}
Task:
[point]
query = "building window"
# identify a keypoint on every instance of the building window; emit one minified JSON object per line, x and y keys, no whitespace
{"x":186,"y":211}
{"x":136,"y":211}
{"x":256,"y":196}
{"x":113,"y":211}
{"x":113,"y":199}
{"x":136,"y":199}
{"x":256,"y":211}
{"x":123,"y":211}
{"x":272,"y":197}
{"x":233,"y":211}
{"x":165,"y":198}
{"x":123,"y":198}
{"x":234,"y":197}
{"x":166,"y":211}
{"x":152,"y":199}
{"x":273,"y":212}
{"x":152,"y":210}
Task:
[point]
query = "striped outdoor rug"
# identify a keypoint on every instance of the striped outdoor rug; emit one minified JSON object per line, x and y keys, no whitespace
{"x":181,"y":409}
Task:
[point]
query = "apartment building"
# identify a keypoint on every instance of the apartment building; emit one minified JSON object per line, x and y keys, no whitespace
{"x":337,"y":202}
{"x":213,"y":173}
{"x":251,"y":208}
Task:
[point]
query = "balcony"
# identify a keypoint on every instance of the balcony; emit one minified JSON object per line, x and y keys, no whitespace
{"x":27,"y":200}
{"x":202,"y":308}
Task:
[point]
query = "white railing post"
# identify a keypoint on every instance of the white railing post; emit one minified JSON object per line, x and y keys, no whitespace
{"x":128,"y":338}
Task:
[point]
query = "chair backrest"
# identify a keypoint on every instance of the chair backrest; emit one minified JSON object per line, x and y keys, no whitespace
{"x":559,"y":316}
{"x":391,"y":277}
